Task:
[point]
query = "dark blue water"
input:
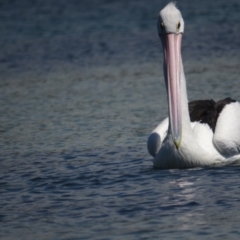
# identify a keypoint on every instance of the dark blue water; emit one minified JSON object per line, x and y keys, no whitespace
{"x":81,"y":88}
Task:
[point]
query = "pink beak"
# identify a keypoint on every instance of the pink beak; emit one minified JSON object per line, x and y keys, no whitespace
{"x":172,"y":70}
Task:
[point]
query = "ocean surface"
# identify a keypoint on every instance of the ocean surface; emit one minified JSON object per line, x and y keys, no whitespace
{"x":81,"y":88}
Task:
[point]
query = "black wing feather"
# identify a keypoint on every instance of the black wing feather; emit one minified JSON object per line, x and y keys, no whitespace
{"x":207,"y":111}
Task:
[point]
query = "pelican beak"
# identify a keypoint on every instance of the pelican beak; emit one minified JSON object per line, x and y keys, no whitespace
{"x":172,"y":71}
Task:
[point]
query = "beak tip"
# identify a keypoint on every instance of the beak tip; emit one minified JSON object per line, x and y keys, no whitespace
{"x":177,"y":143}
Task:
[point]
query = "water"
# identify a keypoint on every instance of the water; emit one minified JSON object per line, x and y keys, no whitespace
{"x":81,"y":89}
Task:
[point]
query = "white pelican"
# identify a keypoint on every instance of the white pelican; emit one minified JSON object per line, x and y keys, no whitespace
{"x":197,"y":134}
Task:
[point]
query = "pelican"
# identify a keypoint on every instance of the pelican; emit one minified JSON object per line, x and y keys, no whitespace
{"x":195,"y":134}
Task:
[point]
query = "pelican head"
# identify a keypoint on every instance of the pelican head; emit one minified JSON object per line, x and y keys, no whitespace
{"x":170,"y":29}
{"x":170,"y":20}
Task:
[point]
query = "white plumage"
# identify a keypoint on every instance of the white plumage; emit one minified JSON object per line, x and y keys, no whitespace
{"x":227,"y":133}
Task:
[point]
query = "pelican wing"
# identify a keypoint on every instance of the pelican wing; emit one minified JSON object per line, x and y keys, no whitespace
{"x":227,"y":133}
{"x":157,"y":137}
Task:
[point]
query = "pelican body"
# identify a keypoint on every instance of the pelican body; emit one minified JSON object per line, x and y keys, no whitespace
{"x":195,"y":134}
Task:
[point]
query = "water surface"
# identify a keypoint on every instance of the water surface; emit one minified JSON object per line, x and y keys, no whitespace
{"x":81,"y":88}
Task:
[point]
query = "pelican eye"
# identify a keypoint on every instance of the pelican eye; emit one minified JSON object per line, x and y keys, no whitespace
{"x":162,"y":26}
{"x":178,"y":26}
